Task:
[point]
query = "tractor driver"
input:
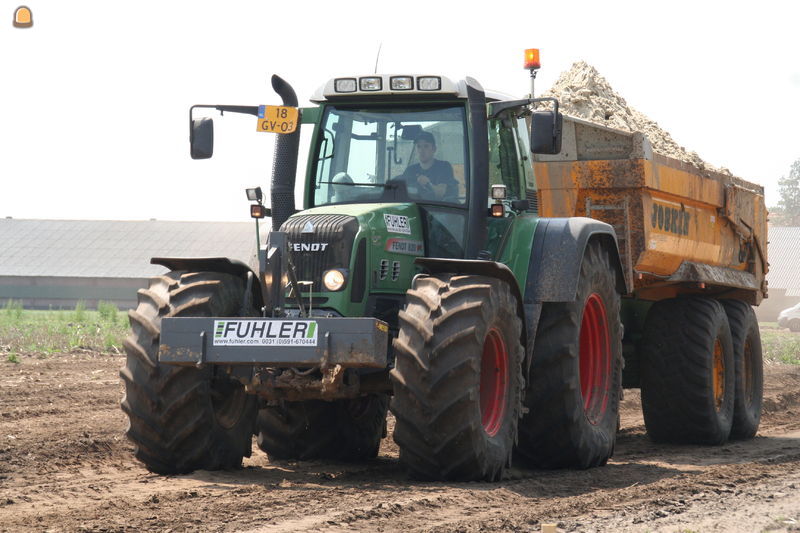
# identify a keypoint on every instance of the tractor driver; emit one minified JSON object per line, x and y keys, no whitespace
{"x":431,"y":173}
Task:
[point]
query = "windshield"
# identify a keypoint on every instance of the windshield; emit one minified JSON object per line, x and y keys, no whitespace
{"x":391,"y":155}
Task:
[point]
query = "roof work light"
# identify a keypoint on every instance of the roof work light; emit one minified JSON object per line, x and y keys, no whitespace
{"x":254,"y":195}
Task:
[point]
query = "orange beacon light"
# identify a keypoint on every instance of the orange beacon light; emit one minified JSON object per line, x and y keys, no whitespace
{"x":23,"y":17}
{"x":532,"y":59}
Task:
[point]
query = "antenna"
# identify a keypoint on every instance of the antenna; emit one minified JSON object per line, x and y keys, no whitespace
{"x":377,"y":57}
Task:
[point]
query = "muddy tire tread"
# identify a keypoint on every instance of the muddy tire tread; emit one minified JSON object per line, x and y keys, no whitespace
{"x":744,"y":327}
{"x":171,"y":421}
{"x":317,"y":429}
{"x":437,"y":374}
{"x":555,"y":433}
{"x":677,"y":391}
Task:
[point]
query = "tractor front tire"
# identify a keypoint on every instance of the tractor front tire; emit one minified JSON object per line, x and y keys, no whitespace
{"x":573,"y":397}
{"x":457,"y":378}
{"x":346,"y":430}
{"x":687,"y":372}
{"x":749,"y":365}
{"x":182,"y":418}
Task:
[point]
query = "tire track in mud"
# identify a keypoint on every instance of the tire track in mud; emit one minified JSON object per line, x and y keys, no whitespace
{"x":69,"y":468}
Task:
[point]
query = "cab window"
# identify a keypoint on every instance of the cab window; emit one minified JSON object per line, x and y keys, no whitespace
{"x":504,"y":158}
{"x":375,"y":155}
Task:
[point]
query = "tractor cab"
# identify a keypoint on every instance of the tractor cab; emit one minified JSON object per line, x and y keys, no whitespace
{"x":422,"y":140}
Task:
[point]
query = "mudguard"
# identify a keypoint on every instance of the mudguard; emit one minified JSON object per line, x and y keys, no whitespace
{"x":216,"y":264}
{"x":557,"y":253}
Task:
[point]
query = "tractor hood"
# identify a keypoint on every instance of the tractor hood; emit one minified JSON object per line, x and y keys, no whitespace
{"x":374,"y":245}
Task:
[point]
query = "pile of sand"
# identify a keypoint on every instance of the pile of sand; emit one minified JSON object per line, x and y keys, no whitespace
{"x":583,"y":93}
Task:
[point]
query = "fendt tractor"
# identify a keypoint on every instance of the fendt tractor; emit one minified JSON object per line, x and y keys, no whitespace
{"x":492,"y":271}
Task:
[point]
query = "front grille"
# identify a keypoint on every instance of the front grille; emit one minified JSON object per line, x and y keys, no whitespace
{"x":383,"y":271}
{"x":318,"y":243}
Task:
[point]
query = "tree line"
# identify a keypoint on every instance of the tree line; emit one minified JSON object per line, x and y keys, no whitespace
{"x":787,"y":212}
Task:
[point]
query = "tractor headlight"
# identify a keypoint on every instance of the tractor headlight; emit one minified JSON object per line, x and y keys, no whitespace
{"x":334,"y":280}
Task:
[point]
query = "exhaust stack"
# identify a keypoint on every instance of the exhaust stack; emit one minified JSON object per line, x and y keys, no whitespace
{"x":284,"y":165}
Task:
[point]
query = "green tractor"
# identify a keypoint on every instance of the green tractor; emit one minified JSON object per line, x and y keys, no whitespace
{"x":417,"y":278}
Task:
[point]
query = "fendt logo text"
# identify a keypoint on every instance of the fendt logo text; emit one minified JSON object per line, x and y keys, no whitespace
{"x":309,"y":246}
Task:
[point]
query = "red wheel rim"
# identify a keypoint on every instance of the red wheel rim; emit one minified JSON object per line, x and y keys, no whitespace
{"x":595,"y":358}
{"x":494,"y":382}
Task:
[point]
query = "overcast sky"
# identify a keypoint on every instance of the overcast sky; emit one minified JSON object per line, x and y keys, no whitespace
{"x":96,"y":95}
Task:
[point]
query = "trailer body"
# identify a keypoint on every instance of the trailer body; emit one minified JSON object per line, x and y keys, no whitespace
{"x":680,"y":229}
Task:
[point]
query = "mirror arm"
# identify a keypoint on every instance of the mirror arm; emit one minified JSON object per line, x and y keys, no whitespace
{"x":244,"y":109}
{"x":499,"y":107}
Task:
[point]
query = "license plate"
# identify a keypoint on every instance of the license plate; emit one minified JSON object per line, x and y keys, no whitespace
{"x":277,"y":119}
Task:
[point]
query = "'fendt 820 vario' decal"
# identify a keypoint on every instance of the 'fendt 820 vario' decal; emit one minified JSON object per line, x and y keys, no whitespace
{"x":405,"y":246}
{"x":265,"y":332}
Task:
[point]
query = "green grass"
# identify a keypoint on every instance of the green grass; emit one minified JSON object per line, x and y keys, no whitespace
{"x":780,"y":345}
{"x":43,"y":333}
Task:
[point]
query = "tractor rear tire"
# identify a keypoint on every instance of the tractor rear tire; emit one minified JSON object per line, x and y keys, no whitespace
{"x":687,"y":372}
{"x":457,"y":378}
{"x":749,"y":364}
{"x":346,"y":430}
{"x":573,"y":397}
{"x":182,"y":418}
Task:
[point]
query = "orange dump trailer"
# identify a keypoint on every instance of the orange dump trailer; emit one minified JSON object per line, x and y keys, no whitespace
{"x":692,"y":244}
{"x":680,"y":229}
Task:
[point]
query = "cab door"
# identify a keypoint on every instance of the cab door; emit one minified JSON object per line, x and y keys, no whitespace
{"x":510,"y":165}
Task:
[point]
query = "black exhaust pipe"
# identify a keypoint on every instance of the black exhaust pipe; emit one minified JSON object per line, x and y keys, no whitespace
{"x":284,"y":165}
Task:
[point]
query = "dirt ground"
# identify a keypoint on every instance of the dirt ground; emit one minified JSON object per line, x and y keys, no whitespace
{"x":65,"y":465}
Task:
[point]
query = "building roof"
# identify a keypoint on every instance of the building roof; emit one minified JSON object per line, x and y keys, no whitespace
{"x":114,"y":248}
{"x":784,"y":259}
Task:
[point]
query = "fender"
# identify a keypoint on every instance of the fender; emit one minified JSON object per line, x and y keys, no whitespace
{"x":557,"y":253}
{"x":480,"y":268}
{"x":222,"y":265}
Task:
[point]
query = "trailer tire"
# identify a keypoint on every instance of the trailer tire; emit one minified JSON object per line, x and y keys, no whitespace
{"x":749,"y":365}
{"x":573,"y":397}
{"x":687,"y":372}
{"x":183,"y":418}
{"x":457,"y":378}
{"x":346,"y":430}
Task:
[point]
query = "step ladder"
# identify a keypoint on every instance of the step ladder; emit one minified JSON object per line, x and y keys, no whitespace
{"x":618,"y":215}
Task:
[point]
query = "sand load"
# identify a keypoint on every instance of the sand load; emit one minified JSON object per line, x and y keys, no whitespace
{"x":583,"y":93}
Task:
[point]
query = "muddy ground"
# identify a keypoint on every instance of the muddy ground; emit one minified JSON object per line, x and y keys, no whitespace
{"x":66,"y":466}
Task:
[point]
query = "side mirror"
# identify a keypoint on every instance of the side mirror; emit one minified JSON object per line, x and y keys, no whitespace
{"x":546,"y":132}
{"x":201,"y":138}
